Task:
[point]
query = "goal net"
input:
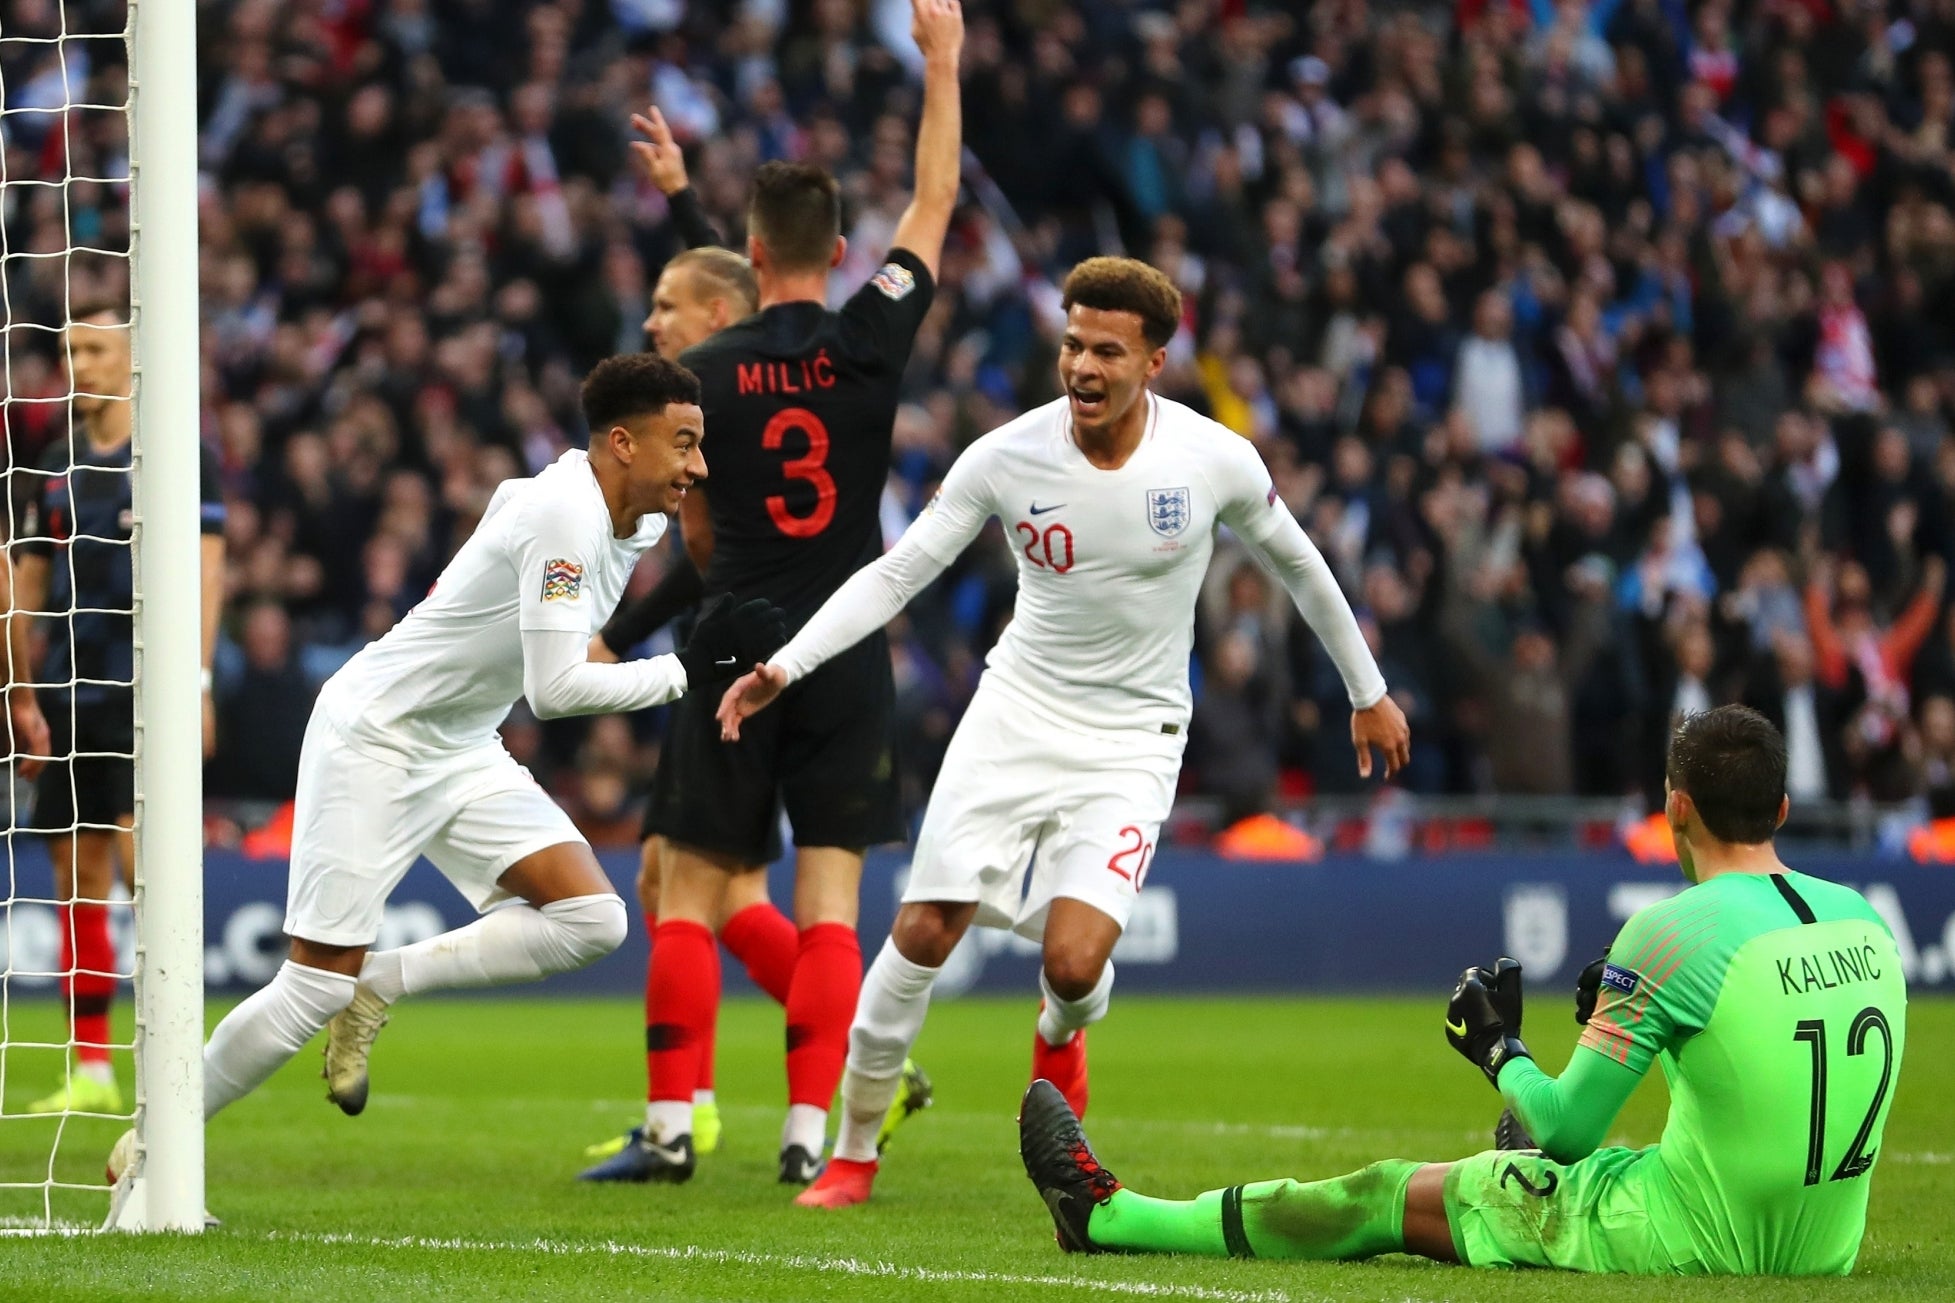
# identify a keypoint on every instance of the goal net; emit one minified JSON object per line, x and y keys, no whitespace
{"x":100,"y":1003}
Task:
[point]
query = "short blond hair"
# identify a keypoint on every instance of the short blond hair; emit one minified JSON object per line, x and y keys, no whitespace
{"x":724,"y":273}
{"x":1127,"y":285}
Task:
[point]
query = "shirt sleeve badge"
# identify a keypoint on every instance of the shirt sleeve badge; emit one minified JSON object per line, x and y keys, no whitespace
{"x":563,"y":580}
{"x":893,"y":280}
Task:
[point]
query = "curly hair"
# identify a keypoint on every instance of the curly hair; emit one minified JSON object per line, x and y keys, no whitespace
{"x":1127,"y":285}
{"x":634,"y":384}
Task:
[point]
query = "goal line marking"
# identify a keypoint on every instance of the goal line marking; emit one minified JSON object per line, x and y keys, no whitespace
{"x":791,"y":1261}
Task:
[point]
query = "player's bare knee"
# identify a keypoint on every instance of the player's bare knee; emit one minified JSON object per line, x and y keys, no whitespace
{"x":588,"y":927}
{"x":1073,"y":972}
{"x":926,"y":932}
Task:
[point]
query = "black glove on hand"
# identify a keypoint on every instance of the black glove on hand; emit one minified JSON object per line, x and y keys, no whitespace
{"x":1505,"y":990}
{"x":1587,"y":987}
{"x":729,"y":640}
{"x":1474,"y":1028}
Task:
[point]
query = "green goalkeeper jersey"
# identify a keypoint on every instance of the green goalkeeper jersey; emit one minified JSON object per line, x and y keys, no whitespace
{"x":1777,"y":1007}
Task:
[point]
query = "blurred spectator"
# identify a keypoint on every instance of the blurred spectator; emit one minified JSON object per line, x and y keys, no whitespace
{"x":1523,"y":305}
{"x":261,"y":711}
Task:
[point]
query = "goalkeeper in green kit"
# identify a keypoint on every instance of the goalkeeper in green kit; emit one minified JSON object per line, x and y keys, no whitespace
{"x":1775,"y":1003}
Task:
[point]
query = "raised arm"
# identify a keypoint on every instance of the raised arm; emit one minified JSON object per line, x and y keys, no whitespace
{"x":938,"y":28}
{"x":665,"y":162}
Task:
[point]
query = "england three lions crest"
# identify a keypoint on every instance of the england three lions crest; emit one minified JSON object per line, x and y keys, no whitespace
{"x":1168,"y":511}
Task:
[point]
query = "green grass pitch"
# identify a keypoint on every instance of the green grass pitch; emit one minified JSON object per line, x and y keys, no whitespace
{"x":457,"y":1182}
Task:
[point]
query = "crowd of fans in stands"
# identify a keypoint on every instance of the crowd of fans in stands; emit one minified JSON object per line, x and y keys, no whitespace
{"x":1607,"y":349}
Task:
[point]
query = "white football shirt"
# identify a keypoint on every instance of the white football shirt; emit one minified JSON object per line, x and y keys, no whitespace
{"x":542,"y":558}
{"x":1109,"y":565}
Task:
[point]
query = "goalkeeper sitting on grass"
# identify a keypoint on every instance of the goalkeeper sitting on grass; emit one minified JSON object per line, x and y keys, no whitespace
{"x":1775,"y":1002}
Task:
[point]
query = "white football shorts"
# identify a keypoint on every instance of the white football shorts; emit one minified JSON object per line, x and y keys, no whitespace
{"x":1018,"y":792}
{"x":359,"y":823}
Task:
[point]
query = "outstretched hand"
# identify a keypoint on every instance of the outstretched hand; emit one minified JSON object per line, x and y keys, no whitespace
{"x":1383,"y":726}
{"x":750,"y":694}
{"x":937,"y":27}
{"x":659,"y":152}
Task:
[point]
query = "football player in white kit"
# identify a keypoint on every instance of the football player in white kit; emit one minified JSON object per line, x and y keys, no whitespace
{"x":1072,"y":745}
{"x":402,"y":758}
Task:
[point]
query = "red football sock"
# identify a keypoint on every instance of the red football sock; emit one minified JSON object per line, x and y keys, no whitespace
{"x":683,"y":991}
{"x":651,"y":925}
{"x":88,"y":976}
{"x":711,"y":1042}
{"x":820,"y":1006}
{"x":764,"y":941}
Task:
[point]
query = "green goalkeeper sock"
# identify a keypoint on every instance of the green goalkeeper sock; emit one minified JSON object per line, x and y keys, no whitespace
{"x":1355,"y":1216}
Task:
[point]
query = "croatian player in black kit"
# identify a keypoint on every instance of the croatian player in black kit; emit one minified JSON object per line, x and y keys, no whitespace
{"x":71,"y":566}
{"x":801,"y":401}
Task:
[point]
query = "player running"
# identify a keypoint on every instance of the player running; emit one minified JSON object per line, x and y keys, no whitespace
{"x":71,"y":562}
{"x":1072,"y":745}
{"x":802,"y":401}
{"x":1776,"y":1003}
{"x":402,"y":759}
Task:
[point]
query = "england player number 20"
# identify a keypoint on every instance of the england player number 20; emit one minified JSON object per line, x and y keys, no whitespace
{"x":809,"y":466}
{"x":1055,"y":542}
{"x":1130,"y":861}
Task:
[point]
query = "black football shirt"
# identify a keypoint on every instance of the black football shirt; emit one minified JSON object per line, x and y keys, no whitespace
{"x":799,"y":404}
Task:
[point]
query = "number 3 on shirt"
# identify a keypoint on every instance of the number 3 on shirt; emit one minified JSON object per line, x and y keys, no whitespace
{"x":810,"y":466}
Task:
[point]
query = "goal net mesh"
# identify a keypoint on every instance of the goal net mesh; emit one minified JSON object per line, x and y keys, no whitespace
{"x":67,"y":1088}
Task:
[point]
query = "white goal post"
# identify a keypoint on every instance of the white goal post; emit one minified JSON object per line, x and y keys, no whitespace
{"x":169,"y":1191}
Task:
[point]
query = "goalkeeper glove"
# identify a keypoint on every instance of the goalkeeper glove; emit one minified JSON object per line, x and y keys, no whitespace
{"x":1505,"y":991}
{"x":1587,"y":988}
{"x":1474,"y":1028}
{"x":729,"y":640}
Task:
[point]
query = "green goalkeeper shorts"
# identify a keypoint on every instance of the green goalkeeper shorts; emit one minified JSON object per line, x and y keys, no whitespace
{"x":1522,"y":1209}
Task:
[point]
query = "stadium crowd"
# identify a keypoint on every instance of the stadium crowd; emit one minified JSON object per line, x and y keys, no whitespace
{"x":1607,"y":349}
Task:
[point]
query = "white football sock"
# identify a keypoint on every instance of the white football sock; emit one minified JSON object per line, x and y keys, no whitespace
{"x":806,"y":1126}
{"x":381,"y":974}
{"x":888,"y":1016}
{"x":1059,"y":1019}
{"x":518,"y":944}
{"x":96,"y":1070}
{"x":274,"y":1023}
{"x":667,"y":1119}
{"x":701,"y":1097}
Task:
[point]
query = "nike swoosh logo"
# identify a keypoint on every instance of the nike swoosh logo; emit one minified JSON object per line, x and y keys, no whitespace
{"x":1456,"y":1028}
{"x":731,"y":660}
{"x":1037,"y":510}
{"x":673,"y":1154}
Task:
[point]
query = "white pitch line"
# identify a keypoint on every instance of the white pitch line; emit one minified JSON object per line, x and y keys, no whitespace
{"x":791,"y":1261}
